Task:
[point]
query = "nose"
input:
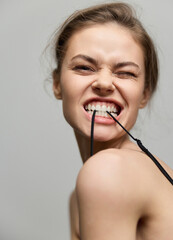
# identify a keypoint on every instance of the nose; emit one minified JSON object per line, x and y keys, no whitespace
{"x":103,"y":83}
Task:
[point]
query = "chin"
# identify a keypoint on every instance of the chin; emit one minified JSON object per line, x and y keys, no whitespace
{"x":105,"y":134}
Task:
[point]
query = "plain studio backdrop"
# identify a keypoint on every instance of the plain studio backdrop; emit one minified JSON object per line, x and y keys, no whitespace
{"x":39,"y":158}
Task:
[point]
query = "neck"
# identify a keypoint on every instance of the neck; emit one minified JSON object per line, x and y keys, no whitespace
{"x":85,"y":142}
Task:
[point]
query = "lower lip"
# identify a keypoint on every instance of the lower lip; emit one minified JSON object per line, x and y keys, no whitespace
{"x":99,"y":119}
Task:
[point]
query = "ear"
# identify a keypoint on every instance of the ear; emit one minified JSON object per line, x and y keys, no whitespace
{"x":145,"y":98}
{"x":56,"y":84}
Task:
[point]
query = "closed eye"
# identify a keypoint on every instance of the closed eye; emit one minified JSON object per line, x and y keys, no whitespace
{"x":126,"y":74}
{"x":83,"y":68}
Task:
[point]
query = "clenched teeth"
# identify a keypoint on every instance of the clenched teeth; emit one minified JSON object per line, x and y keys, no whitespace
{"x":103,"y":114}
{"x":101,"y":109}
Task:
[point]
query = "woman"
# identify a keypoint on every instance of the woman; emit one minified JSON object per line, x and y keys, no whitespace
{"x":107,"y":62}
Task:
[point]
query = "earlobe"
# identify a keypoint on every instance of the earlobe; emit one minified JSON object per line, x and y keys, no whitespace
{"x":145,"y":98}
{"x":56,"y":85}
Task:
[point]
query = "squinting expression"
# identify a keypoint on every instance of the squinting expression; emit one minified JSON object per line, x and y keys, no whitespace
{"x":104,"y":69}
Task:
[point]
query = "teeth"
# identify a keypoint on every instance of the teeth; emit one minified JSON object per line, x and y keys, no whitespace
{"x":93,"y":108}
{"x":98,"y":107}
{"x":103,"y":114}
{"x":114,"y":114}
{"x":101,"y":109}
{"x":106,"y":115}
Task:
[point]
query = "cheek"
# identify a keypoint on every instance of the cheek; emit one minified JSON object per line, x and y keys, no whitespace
{"x":67,"y":105}
{"x":71,"y":93}
{"x":132,"y":96}
{"x":135,"y":98}
{"x":67,"y":86}
{"x":73,"y":87}
{"x":132,"y":92}
{"x":67,"y":101}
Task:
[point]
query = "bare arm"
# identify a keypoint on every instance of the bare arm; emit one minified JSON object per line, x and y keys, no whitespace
{"x":74,"y":219}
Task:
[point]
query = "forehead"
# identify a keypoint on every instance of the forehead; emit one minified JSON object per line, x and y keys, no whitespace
{"x":108,"y":41}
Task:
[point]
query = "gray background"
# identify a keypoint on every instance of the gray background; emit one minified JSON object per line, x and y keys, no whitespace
{"x":39,"y":159}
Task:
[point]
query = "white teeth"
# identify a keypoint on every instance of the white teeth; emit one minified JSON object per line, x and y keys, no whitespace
{"x":98,"y":107}
{"x":114,"y":114}
{"x":103,"y":108}
{"x":105,"y":114}
{"x":102,"y":113}
{"x":93,"y":108}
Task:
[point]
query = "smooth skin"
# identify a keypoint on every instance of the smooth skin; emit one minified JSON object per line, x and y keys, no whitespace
{"x":120,"y":193}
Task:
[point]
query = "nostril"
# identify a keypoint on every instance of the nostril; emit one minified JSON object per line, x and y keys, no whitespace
{"x":104,"y":87}
{"x":102,"y":91}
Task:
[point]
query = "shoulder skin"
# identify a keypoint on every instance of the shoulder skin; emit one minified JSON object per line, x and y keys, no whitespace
{"x":114,"y":190}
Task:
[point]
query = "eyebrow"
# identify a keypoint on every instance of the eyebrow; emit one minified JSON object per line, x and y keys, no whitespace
{"x":124,"y":64}
{"x":86,"y":58}
{"x":93,"y":61}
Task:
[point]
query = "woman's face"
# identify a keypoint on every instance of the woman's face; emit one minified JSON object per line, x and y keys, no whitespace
{"x":104,"y":69}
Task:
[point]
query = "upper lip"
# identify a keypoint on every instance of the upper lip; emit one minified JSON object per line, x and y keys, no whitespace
{"x":99,"y":99}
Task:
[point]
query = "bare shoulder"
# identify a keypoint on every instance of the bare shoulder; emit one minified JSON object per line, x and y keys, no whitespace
{"x":118,"y":171}
{"x":128,"y":165}
{"x":115,"y":189}
{"x":110,"y":197}
{"x":119,"y":165}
